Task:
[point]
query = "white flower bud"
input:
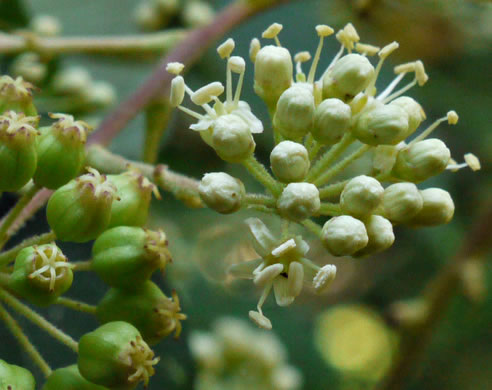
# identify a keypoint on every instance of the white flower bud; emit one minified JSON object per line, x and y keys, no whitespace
{"x":380,"y":233}
{"x":437,"y":209}
{"x":177,"y":91}
{"x":273,"y":73}
{"x":232,"y":139}
{"x":101,"y":94}
{"x":295,"y":112}
{"x":286,"y":378}
{"x":197,"y":13}
{"x":401,"y":202}
{"x":414,"y":110}
{"x":46,"y":25}
{"x":421,"y":160}
{"x":221,"y":192}
{"x":344,"y":235}
{"x":349,"y":76}
{"x":331,"y":121}
{"x":72,"y":80}
{"x":298,"y":201}
{"x":361,"y":196}
{"x":381,"y":125}
{"x":206,"y":93}
{"x":289,"y":161}
{"x":384,"y":157}
{"x":324,"y":278}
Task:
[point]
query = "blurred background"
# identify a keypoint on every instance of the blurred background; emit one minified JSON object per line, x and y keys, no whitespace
{"x":345,"y":339}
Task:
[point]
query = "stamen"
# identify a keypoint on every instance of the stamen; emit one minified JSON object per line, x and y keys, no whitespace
{"x":226,"y":48}
{"x":191,"y":112}
{"x":323,"y":31}
{"x":175,"y":68}
{"x":429,"y":130}
{"x":390,"y":87}
{"x":206,"y":93}
{"x":420,"y":73}
{"x":254,"y":48}
{"x":177,"y":91}
{"x":383,"y":54}
{"x":452,"y":117}
{"x":401,"y":91}
{"x":268,"y":274}
{"x":366,"y":50}
{"x":472,"y":161}
{"x":333,"y":62}
{"x":299,"y":58}
{"x":238,"y":66}
{"x":272,"y":31}
{"x":295,"y":279}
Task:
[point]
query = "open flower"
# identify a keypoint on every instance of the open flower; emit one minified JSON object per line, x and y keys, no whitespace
{"x":282,"y":266}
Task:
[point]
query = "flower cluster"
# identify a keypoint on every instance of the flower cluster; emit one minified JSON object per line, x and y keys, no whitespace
{"x":321,"y":125}
{"x":233,"y":350}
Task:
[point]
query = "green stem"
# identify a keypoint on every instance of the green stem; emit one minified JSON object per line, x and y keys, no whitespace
{"x":329,"y":157}
{"x":340,"y":166}
{"x":259,"y":199}
{"x":312,"y":226}
{"x":82,"y":265}
{"x":332,"y":190}
{"x":142,"y":44}
{"x":259,"y":172}
{"x":38,"y":320}
{"x":4,"y":279}
{"x":14,"y":213}
{"x":8,"y":256}
{"x":330,"y":209}
{"x":157,"y":116}
{"x":76,"y":305}
{"x":31,"y":350}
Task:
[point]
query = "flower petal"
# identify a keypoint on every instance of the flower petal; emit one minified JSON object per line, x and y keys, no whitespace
{"x":296,"y":278}
{"x":244,"y":269}
{"x":283,"y":295}
{"x":263,"y":241}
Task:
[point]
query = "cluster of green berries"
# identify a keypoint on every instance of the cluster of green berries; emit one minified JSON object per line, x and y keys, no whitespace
{"x":157,"y":14}
{"x":320,"y":127}
{"x":112,"y":210}
{"x":236,"y":356}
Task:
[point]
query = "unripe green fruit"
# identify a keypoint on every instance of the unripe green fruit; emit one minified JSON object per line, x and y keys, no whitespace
{"x":81,"y":210}
{"x":147,"y":308}
{"x":437,"y":209}
{"x":331,"y":121}
{"x":295,"y":111}
{"x":14,"y":377}
{"x":380,"y":234}
{"x":349,"y":76}
{"x":115,"y":355}
{"x":361,"y":195}
{"x":401,"y":202}
{"x":134,"y":193}
{"x":290,"y":161}
{"x":18,"y":157}
{"x":232,"y":139}
{"x":383,"y":124}
{"x":61,"y":151}
{"x":299,"y":201}
{"x":344,"y":235}
{"x":221,"y":192}
{"x":41,"y":274}
{"x":126,"y":257}
{"x":16,"y":95}
{"x":414,"y":110}
{"x":421,"y":160}
{"x":273,"y":73}
{"x":69,"y":378}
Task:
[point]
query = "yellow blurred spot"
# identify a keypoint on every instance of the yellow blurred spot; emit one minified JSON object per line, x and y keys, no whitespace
{"x":356,"y":341}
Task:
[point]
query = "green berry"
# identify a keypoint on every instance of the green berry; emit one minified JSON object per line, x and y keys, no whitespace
{"x":299,"y":201}
{"x":115,"y":355}
{"x":147,"y":308}
{"x":126,"y":257}
{"x":401,"y":202}
{"x":331,"y":121}
{"x":350,"y":75}
{"x":16,"y":95}
{"x":232,"y":139}
{"x":41,"y":274}
{"x":14,"y":377}
{"x":69,"y":378}
{"x":361,"y":196}
{"x":344,"y":235}
{"x":273,"y":73}
{"x":382,"y":124}
{"x":295,"y":111}
{"x":81,"y":210}
{"x":437,"y":208}
{"x":18,"y":157}
{"x":134,"y":193}
{"x":421,"y":160}
{"x":290,"y":161}
{"x":221,"y":192}
{"x":61,"y":151}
